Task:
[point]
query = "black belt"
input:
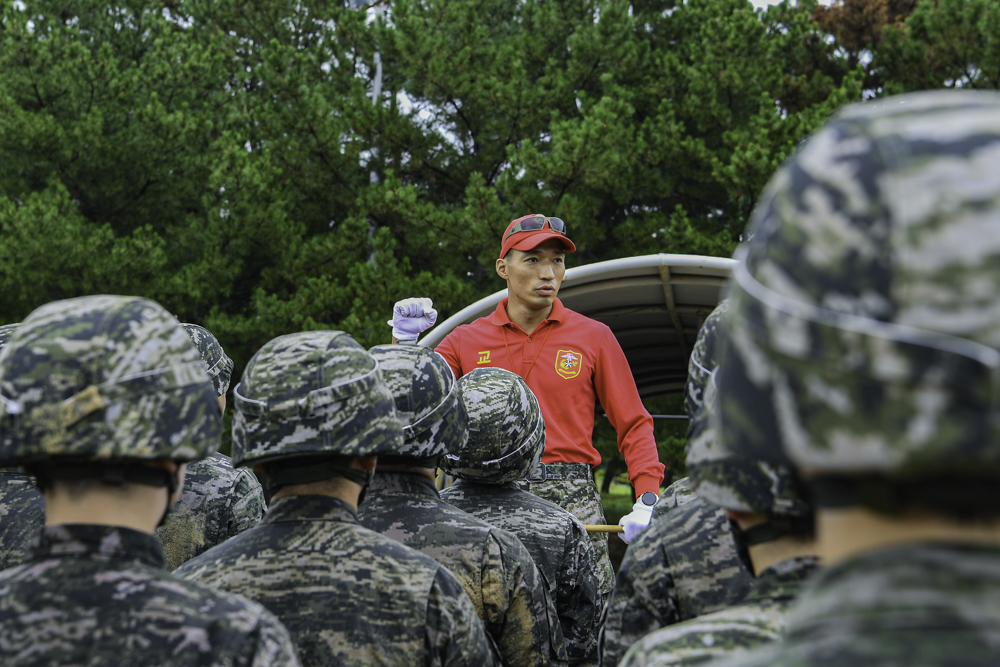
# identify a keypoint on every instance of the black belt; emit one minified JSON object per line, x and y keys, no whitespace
{"x":560,"y":471}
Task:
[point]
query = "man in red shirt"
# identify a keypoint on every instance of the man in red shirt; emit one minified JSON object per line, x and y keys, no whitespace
{"x":569,"y":361}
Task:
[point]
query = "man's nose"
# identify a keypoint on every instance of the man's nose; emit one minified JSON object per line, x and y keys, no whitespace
{"x":546,"y":272}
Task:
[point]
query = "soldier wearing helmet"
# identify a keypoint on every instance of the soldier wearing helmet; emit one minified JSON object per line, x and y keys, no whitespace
{"x":687,"y":562}
{"x":772,"y":520}
{"x":506,"y":439}
{"x":403,"y":503}
{"x":312,"y":413}
{"x":218,"y":501}
{"x":866,"y":308}
{"x":105,"y":400}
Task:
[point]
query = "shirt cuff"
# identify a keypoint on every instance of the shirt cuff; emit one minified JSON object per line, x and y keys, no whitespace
{"x":644,"y":483}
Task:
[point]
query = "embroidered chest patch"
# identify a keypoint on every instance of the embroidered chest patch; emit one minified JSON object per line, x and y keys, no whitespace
{"x":568,"y":363}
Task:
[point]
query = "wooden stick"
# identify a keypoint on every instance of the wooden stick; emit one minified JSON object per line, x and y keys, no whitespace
{"x":602,"y":528}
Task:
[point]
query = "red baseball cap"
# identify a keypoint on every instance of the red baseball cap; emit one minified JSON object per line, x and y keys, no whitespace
{"x":540,"y":229}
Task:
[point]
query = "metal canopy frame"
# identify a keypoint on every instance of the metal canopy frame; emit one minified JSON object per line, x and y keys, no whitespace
{"x":654,"y":304}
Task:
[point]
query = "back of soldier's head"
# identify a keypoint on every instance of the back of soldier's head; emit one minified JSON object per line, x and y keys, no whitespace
{"x":428,"y":401}
{"x":217,"y":364}
{"x":308,"y":403}
{"x":729,"y":444}
{"x":506,"y":429}
{"x":869,"y":302}
{"x":95,"y":387}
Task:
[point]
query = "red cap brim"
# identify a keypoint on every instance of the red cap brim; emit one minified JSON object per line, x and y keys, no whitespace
{"x":531,"y":240}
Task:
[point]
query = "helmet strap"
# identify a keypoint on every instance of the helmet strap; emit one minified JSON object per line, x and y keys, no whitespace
{"x":775,"y":527}
{"x":962,"y":497}
{"x":409,"y":461}
{"x":307,"y":470}
{"x":113,"y":474}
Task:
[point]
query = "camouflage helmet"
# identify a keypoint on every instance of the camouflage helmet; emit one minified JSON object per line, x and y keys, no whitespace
{"x":6,"y":331}
{"x":723,"y":459}
{"x":699,"y":373}
{"x":428,"y":400}
{"x":312,"y":393}
{"x":871,"y":287}
{"x":104,"y":378}
{"x":506,"y":429}
{"x":219,"y":366}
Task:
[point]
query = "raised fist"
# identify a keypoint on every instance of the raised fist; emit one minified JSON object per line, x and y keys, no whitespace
{"x":411,"y":317}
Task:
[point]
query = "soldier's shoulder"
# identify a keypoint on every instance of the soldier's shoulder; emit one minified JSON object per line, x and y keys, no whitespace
{"x":677,"y":494}
{"x":693,"y":518}
{"x":428,"y":519}
{"x":687,"y":524}
{"x":164,"y":609}
{"x":725,"y":633}
{"x":348,"y":545}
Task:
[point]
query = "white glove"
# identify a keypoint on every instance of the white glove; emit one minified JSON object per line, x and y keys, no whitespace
{"x":411,"y":317}
{"x":636,"y":522}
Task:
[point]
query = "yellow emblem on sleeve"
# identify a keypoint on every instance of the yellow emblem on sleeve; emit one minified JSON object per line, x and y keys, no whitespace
{"x":484,"y":357}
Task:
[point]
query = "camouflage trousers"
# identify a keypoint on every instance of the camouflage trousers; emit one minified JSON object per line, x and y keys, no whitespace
{"x":572,"y":487}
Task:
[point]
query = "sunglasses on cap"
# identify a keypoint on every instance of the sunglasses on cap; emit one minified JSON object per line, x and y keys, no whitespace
{"x":534,"y":223}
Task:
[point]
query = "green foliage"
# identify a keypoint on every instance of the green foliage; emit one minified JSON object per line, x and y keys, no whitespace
{"x":225,"y":157}
{"x":943,"y":44}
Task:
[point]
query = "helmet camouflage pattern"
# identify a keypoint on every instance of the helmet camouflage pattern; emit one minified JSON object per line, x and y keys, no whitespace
{"x":104,"y":378}
{"x":218,"y":365}
{"x":312,"y":393}
{"x":700,"y":365}
{"x":506,"y":429}
{"x":726,"y":441}
{"x":870,"y":288}
{"x":6,"y":331}
{"x":428,"y":399}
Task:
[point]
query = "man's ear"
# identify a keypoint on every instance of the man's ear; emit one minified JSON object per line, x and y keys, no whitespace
{"x":502,"y":268}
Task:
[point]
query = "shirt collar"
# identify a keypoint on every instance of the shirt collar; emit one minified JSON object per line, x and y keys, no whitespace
{"x":402,"y":483}
{"x":97,"y":542}
{"x":309,"y":508}
{"x":500,"y":317}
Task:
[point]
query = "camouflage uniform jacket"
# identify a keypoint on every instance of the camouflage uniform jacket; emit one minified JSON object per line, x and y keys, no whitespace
{"x":506,"y":587}
{"x":218,"y":502}
{"x":559,"y":545}
{"x":677,"y":494}
{"x":98,"y":595}
{"x":22,"y":515}
{"x":683,"y":565}
{"x":758,"y":620}
{"x":919,"y":604}
{"x":349,"y":596}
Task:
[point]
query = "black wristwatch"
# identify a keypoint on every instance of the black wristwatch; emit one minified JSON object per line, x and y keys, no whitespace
{"x":649,"y":498}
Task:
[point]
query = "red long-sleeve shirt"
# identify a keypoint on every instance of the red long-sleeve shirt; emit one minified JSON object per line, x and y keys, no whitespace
{"x":570,"y":361}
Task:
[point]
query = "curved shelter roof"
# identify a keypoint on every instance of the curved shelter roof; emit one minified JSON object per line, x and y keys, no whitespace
{"x":655,"y":305}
